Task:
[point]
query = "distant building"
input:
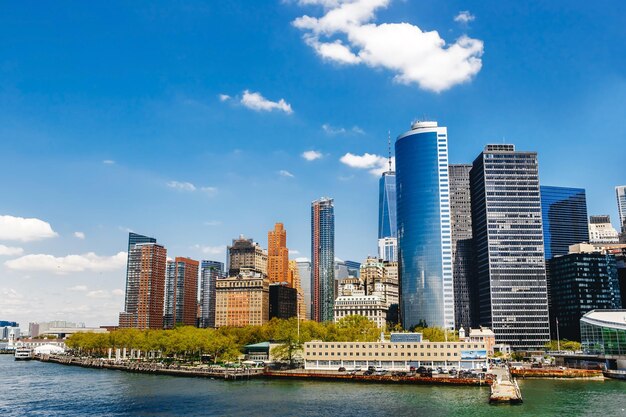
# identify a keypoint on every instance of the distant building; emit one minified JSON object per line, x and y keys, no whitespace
{"x":5,"y":331}
{"x":278,"y":255}
{"x":388,"y":249}
{"x":304,"y":270}
{"x":41,"y":328}
{"x":145,"y":284}
{"x":246,"y":254}
{"x":4,"y":323}
{"x":210,"y":272}
{"x":564,"y":216}
{"x":181,"y":293}
{"x":322,"y":259}
{"x":353,"y":268}
{"x":294,"y":277}
{"x":242,"y":300}
{"x":283,"y":301}
{"x":387,"y":224}
{"x":620,"y":193}
{"x":507,"y":232}
{"x":372,"y":307}
{"x":601,"y":230}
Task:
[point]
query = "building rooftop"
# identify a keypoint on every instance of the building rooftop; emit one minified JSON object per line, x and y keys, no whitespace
{"x":609,"y":318}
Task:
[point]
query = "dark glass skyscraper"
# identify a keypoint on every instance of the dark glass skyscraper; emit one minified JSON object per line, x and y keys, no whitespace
{"x":508,"y":246}
{"x":210,"y":271}
{"x":424,"y":236}
{"x":387,"y":226}
{"x":564,"y":215}
{"x":132,"y":285}
{"x":322,"y":259}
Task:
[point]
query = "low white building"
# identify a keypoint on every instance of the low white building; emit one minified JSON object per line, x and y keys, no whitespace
{"x":372,"y":307}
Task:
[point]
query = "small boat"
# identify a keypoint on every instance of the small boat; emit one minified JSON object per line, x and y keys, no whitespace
{"x":23,"y":354}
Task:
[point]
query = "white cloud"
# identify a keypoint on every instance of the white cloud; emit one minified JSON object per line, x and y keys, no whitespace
{"x":284,"y":173}
{"x":334,"y":130}
{"x":257,"y":102}
{"x":24,"y":229}
{"x":78,"y":288}
{"x":294,"y":252}
{"x":67,"y":264}
{"x":464,"y":17}
{"x":224,"y":97}
{"x":210,"y":250}
{"x":302,"y":259}
{"x":209,"y":190}
{"x":311,"y":155}
{"x":98,"y":294}
{"x":108,"y":162}
{"x":10,"y":251}
{"x":376,"y":164}
{"x":346,"y":35}
{"x":181,"y":186}
{"x":117,"y":292}
{"x":79,"y":235}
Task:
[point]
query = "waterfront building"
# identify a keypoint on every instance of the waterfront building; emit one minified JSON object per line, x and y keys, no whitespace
{"x":581,"y":281}
{"x":402,"y":352}
{"x":620,"y":193}
{"x":372,"y":307}
{"x":353,"y":267}
{"x":601,"y":231}
{"x":304,"y":270}
{"x":242,"y":300}
{"x":603,"y":333}
{"x":510,"y":279}
{"x":181,"y":293}
{"x":210,"y":272}
{"x":387,"y":223}
{"x":388,"y":249}
{"x":145,"y":284}
{"x":283,"y":301}
{"x":41,"y":328}
{"x":424,"y":235}
{"x":294,"y":277}
{"x":246,"y":254}
{"x":461,"y":226}
{"x":564,"y":216}
{"x":322,"y":259}
{"x":278,"y":255}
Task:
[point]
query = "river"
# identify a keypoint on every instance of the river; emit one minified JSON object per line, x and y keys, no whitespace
{"x":46,"y":389}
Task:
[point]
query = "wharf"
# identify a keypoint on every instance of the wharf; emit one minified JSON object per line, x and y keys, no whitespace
{"x":557,"y":373}
{"x":504,"y":388}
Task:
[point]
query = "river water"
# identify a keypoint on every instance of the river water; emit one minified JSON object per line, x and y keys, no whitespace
{"x":45,"y":389}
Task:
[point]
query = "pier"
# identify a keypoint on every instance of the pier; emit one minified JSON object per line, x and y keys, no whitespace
{"x":504,"y":388}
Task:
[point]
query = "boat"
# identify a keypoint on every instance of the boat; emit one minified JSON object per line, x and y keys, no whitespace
{"x":615,"y":373}
{"x":23,"y":354}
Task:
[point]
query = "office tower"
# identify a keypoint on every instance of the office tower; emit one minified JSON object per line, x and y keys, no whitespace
{"x":353,"y":267}
{"x":145,"y":284}
{"x":294,"y":277}
{"x":210,"y":272}
{"x":388,"y":249}
{"x":242,"y":300}
{"x":304,"y":270}
{"x":461,"y":225}
{"x":283,"y":301}
{"x":322,"y":259}
{"x":246,"y":254}
{"x":620,"y":193}
{"x":181,"y":293}
{"x":508,"y":246}
{"x":424,"y":237}
{"x":601,"y":231}
{"x":581,"y":281}
{"x":564,"y":216}
{"x":278,"y":255}
{"x":387,"y":226}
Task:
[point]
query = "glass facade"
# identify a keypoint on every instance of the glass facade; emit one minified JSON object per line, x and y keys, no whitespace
{"x":602,"y":333}
{"x":564,"y":215}
{"x":510,"y":277}
{"x":387,"y":225}
{"x":210,"y":271}
{"x":322,"y":259}
{"x":620,"y":193}
{"x":423,"y":215}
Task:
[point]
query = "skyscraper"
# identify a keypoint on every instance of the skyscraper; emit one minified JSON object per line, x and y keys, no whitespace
{"x":508,"y":246}
{"x":461,"y":224}
{"x":387,"y":226}
{"x":323,"y":256}
{"x":278,"y":255}
{"x":564,"y":216}
{"x":145,"y":284}
{"x":246,"y":254}
{"x":181,"y":293}
{"x":210,"y":272}
{"x":620,"y":193}
{"x":304,"y":269}
{"x":424,"y":236}
{"x":294,"y":277}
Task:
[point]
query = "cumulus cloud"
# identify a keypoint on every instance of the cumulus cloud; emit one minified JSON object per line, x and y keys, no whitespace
{"x":345,"y":34}
{"x":284,"y":173}
{"x":257,"y":102}
{"x":24,"y":229}
{"x":79,"y":235}
{"x":311,"y":155}
{"x":464,"y":17}
{"x":88,"y":262}
{"x":224,"y":97}
{"x":181,"y":186}
{"x":210,"y":250}
{"x":376,"y":164}
{"x":10,"y":251}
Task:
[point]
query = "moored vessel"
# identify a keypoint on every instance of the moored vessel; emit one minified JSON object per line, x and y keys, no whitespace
{"x":23,"y":354}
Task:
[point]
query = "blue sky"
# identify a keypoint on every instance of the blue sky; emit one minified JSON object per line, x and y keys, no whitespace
{"x":114,"y":117}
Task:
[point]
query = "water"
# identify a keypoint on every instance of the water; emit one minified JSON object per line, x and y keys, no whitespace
{"x":45,"y":389}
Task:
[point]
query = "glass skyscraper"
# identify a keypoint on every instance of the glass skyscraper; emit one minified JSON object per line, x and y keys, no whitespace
{"x":424,"y":236}
{"x":564,"y":215}
{"x":210,"y":271}
{"x":620,"y":193}
{"x":322,"y":259}
{"x":507,"y":232}
{"x":387,"y":226}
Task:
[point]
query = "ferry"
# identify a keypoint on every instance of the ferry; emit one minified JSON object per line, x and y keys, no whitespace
{"x":23,"y":354}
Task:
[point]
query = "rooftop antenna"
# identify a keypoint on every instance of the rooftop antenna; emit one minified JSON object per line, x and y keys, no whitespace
{"x":389,"y":147}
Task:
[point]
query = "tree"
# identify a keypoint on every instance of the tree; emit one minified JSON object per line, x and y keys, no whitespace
{"x":356,"y":328}
{"x":286,"y":331}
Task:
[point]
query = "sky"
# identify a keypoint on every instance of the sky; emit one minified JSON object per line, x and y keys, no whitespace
{"x":197,"y":121}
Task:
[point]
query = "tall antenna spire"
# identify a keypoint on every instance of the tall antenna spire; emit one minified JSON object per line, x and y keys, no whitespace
{"x":389,"y":147}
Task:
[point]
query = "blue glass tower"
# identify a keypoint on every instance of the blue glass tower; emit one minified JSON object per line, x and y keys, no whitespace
{"x":424,"y":235}
{"x":564,"y":216}
{"x":387,"y":226}
{"x":322,"y":259}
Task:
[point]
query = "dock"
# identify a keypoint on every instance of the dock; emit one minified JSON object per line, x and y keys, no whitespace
{"x":504,"y":389}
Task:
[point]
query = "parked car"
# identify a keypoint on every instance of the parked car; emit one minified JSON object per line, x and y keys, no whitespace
{"x":342,"y":369}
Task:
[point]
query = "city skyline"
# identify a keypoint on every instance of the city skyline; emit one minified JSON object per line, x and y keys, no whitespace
{"x":95,"y":128}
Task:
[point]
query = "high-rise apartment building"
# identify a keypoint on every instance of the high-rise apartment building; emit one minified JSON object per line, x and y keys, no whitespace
{"x":564,"y":216}
{"x":620,"y":193}
{"x":461,"y":225}
{"x":424,"y":235}
{"x":181,"y":293}
{"x":601,"y":231}
{"x":242,"y":300}
{"x":210,"y":272}
{"x":304,"y":270}
{"x":322,"y":259}
{"x":508,"y":246}
{"x":145,"y":284}
{"x":278,"y":255}
{"x":246,"y":254}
